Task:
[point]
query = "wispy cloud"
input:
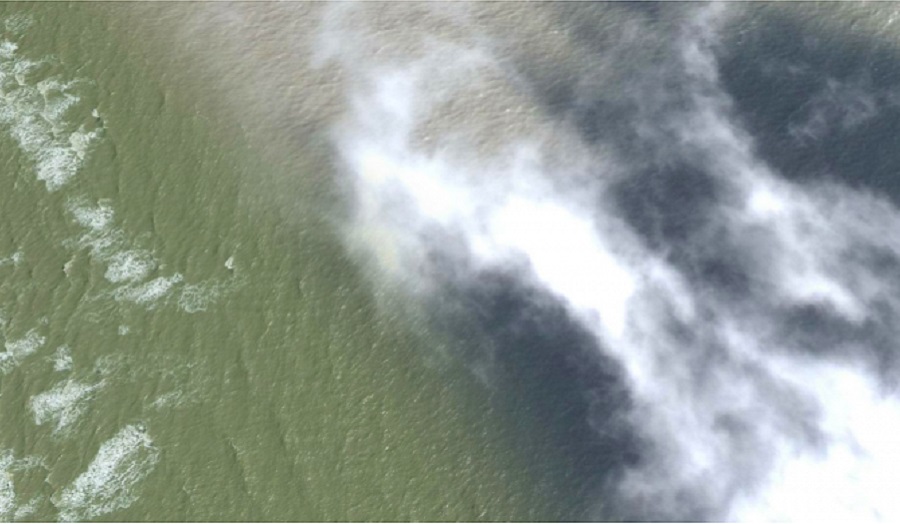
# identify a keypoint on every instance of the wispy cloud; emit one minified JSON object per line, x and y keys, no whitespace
{"x":762,"y":403}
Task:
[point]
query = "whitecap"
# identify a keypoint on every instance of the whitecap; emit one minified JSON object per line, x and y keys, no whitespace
{"x":62,"y":405}
{"x":197,"y":297}
{"x":36,"y":118}
{"x":10,"y":509}
{"x":111,"y":479}
{"x":18,"y":350}
{"x":149,"y":292}
{"x":12,"y":260}
{"x":62,"y":359}
{"x":129,"y":266}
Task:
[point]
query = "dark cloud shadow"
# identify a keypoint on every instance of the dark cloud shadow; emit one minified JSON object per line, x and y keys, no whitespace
{"x":819,"y":105}
{"x":814,"y":109}
{"x":559,"y":392}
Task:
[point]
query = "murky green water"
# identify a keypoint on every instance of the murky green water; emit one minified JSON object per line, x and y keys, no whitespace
{"x":184,"y":336}
{"x":176,"y":349}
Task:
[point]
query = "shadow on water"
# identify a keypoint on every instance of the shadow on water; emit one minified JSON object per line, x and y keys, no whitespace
{"x":557,"y":391}
{"x":818,"y":104}
{"x":823,"y":106}
{"x":817,"y":107}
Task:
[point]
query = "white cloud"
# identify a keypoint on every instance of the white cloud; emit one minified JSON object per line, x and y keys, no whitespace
{"x":743,"y":419}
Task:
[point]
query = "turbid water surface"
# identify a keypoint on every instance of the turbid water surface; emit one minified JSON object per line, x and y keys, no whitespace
{"x":448,"y":261}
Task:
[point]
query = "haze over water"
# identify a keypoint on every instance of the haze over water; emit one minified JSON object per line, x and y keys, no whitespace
{"x":449,"y":261}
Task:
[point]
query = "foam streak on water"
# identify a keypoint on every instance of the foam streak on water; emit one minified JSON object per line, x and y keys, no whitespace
{"x":35,"y":115}
{"x":129,"y":268}
{"x":19,"y":349}
{"x":39,"y":112}
{"x":62,"y":405}
{"x":109,"y":482}
{"x":11,"y":507}
{"x":12,"y":260}
{"x":62,"y":359}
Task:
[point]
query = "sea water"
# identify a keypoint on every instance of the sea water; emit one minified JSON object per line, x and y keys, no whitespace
{"x":447,"y":261}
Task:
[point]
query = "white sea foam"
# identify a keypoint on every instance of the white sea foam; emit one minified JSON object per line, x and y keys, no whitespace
{"x":35,"y":114}
{"x":149,"y":292}
{"x":25,"y":510}
{"x":110,"y":246}
{"x":7,"y":489}
{"x":168,"y":400}
{"x":97,"y":218}
{"x":197,"y":297}
{"x":12,"y":260}
{"x":18,"y":350}
{"x":10,"y":507}
{"x":109,"y":364}
{"x":111,"y":480}
{"x":8,"y":49}
{"x":62,"y":405}
{"x":18,"y":23}
{"x":129,"y":266}
{"x":62,"y":359}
